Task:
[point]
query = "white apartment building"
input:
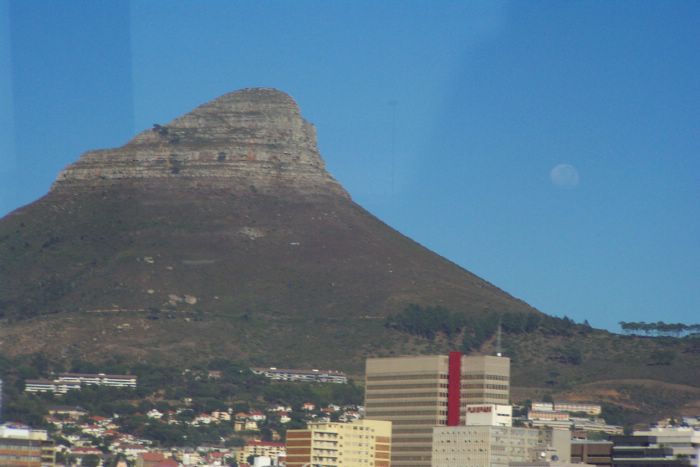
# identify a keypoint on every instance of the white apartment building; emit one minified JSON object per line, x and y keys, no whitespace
{"x":99,"y":379}
{"x":309,"y":376}
{"x":73,"y":381}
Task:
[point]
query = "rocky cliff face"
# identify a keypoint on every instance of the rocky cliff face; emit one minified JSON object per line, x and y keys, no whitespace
{"x":248,"y":140}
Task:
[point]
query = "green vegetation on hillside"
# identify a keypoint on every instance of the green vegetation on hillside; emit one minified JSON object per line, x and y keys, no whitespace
{"x":475,"y":330}
{"x":188,"y":391}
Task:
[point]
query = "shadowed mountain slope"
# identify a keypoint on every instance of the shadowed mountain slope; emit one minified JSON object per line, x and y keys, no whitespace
{"x":219,"y":233}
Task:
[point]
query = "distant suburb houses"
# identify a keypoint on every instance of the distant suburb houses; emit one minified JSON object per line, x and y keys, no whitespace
{"x":307,"y":376}
{"x":74,"y":381}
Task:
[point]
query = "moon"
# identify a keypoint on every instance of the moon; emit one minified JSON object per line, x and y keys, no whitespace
{"x":564,"y":176}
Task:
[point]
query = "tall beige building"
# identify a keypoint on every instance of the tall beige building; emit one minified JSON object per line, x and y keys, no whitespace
{"x":419,"y":393}
{"x":363,"y":443}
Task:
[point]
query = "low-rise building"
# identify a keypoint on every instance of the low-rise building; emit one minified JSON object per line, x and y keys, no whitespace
{"x":45,"y":385}
{"x":74,"y":381}
{"x":547,"y":415}
{"x":309,"y":376}
{"x":99,"y":379}
{"x":546,"y":406}
{"x":590,"y":409}
{"x":69,"y":412}
{"x":363,"y":443}
{"x":564,"y":406}
{"x":657,"y":446}
{"x":155,"y":459}
{"x":255,"y":448}
{"x":497,"y":446}
{"x":592,"y":452}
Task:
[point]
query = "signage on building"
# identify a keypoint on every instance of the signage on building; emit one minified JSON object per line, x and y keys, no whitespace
{"x":479,"y":408}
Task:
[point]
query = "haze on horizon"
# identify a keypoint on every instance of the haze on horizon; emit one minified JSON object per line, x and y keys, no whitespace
{"x":549,"y":147}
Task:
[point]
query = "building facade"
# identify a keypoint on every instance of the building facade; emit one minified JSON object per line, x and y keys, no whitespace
{"x":309,"y":376}
{"x":592,"y":452}
{"x":363,"y":443}
{"x":270,"y":449}
{"x":419,"y":393}
{"x":497,"y":446}
{"x":489,"y":414}
{"x":589,"y":409}
{"x":658,"y":446}
{"x":73,"y":381}
{"x":25,"y":447}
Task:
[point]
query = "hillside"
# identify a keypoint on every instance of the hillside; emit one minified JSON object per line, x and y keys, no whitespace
{"x":221,"y":234}
{"x":217,"y":232}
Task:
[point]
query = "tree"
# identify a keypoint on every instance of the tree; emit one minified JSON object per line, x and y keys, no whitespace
{"x":91,"y":460}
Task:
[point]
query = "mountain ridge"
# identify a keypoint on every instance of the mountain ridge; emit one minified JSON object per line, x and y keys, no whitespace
{"x":221,"y":234}
{"x":225,"y":212}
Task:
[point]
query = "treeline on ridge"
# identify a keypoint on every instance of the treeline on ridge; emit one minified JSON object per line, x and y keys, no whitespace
{"x":659,"y":328}
{"x":429,"y":321}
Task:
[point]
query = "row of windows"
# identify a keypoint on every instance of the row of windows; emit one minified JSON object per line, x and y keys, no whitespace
{"x":483,"y":376}
{"x":406,"y":396}
{"x":412,"y":458}
{"x":404,"y":386}
{"x":19,"y":460}
{"x":373,"y":405}
{"x":408,"y":431}
{"x":377,"y":413}
{"x":503,"y":387}
{"x":420,"y":440}
{"x":401,"y":377}
{"x":415,"y":422}
{"x":411,"y":448}
{"x":479,"y":394}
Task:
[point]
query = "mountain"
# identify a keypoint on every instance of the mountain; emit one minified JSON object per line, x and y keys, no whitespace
{"x":221,"y":234}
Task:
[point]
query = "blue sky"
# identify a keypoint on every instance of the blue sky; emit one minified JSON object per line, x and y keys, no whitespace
{"x":444,"y":119}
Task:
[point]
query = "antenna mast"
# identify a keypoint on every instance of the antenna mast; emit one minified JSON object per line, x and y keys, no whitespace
{"x":499,"y":350}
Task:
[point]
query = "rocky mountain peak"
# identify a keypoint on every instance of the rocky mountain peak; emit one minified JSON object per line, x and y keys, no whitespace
{"x":252,"y":139}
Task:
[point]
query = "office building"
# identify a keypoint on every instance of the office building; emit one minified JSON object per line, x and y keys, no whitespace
{"x":419,"y":393}
{"x":25,"y":447}
{"x":659,"y":446}
{"x":363,"y":443}
{"x":592,"y":452}
{"x":497,"y":446}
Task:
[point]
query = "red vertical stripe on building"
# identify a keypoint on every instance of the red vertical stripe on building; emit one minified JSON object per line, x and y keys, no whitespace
{"x":454,"y":387}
